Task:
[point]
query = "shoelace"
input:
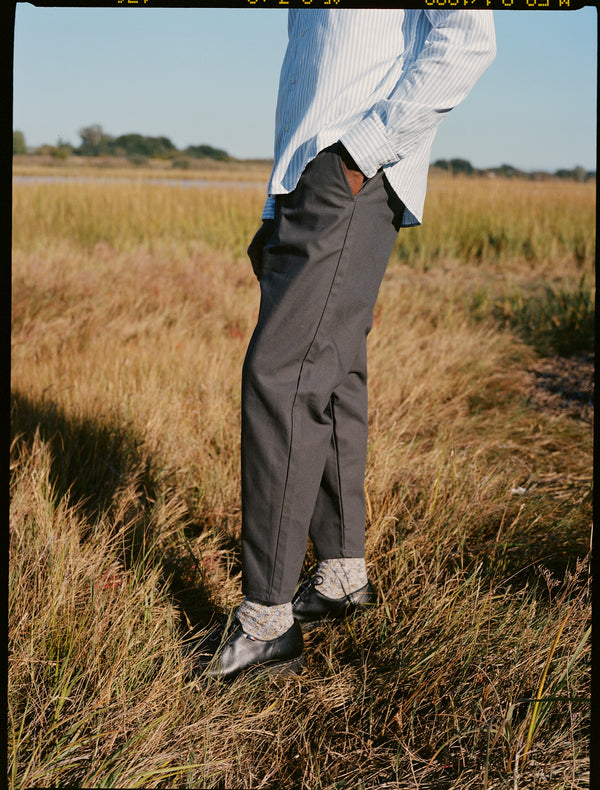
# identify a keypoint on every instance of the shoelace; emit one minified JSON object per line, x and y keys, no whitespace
{"x":307,"y":586}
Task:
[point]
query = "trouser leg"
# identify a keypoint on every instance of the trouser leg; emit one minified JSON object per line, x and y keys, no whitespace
{"x":321,"y":275}
{"x":337,"y":527}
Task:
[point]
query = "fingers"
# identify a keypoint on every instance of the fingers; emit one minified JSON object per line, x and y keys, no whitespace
{"x":353,"y":172}
{"x":355,"y":179}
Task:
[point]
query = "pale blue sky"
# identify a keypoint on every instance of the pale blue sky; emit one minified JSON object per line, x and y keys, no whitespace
{"x":205,"y":75}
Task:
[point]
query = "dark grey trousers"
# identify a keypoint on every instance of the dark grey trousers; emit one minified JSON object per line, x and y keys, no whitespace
{"x":304,"y":381}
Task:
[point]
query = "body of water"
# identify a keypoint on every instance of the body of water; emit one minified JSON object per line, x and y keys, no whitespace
{"x":178,"y":182}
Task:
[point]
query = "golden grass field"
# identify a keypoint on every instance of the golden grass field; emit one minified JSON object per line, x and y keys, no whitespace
{"x":132,"y":306}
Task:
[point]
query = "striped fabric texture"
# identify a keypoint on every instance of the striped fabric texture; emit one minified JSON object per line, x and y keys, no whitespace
{"x":379,"y":80}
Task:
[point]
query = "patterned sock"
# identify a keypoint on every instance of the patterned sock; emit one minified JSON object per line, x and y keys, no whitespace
{"x":265,"y":622}
{"x":339,"y":577}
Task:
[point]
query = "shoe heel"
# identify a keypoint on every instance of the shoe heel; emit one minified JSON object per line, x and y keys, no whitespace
{"x":292,"y":667}
{"x":310,"y":625}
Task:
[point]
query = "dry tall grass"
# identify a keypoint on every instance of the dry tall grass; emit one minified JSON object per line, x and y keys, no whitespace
{"x":132,"y":308}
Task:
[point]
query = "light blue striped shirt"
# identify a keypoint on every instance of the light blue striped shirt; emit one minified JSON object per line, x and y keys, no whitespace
{"x":379,"y":80}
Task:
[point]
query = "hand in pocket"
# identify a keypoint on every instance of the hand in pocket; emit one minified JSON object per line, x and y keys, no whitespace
{"x":353,"y":172}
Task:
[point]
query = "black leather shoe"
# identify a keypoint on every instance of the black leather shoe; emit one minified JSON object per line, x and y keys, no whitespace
{"x":229,"y":651}
{"x":311,"y":608}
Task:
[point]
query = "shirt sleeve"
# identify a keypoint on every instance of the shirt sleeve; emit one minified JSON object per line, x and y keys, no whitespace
{"x":460,"y":46}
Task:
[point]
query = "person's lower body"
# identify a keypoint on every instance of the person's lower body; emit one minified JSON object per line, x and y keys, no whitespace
{"x":304,"y":395}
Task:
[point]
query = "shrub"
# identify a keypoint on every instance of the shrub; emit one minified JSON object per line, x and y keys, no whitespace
{"x":181,"y":162}
{"x":19,"y":145}
{"x":137,"y":159}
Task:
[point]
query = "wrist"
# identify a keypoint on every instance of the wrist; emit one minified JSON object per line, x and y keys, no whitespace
{"x":368,"y":143}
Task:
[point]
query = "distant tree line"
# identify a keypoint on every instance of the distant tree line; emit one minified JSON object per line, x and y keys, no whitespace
{"x":136,"y":147}
{"x":464,"y":167}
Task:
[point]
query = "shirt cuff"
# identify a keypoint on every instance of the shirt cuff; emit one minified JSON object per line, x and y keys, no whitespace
{"x":269,"y":209}
{"x":368,"y":145}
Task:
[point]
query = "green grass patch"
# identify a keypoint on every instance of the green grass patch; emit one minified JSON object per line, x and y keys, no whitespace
{"x":560,"y":319}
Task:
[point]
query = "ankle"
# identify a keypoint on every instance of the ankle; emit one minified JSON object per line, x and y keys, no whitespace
{"x":265,"y":622}
{"x":341,"y":576}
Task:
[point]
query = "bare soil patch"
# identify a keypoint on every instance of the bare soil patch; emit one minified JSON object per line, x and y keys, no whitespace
{"x":564,"y":385}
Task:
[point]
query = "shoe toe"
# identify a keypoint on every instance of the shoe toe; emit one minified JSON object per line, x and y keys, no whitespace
{"x":238,"y":653}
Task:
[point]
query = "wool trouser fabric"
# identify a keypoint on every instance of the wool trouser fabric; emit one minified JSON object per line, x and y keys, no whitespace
{"x":304,"y":380}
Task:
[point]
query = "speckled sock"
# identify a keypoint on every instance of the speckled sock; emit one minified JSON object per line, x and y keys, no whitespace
{"x":339,"y":577}
{"x":265,"y":622}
